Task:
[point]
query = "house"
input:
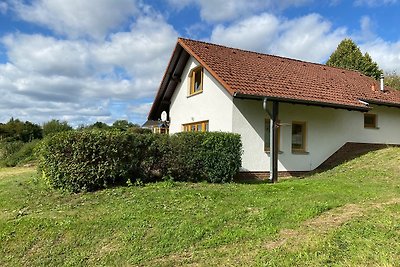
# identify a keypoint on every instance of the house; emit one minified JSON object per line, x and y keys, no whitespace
{"x":315,"y":109}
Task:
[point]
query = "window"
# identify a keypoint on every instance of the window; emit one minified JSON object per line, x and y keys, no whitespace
{"x":298,"y":137}
{"x":201,"y":126}
{"x":267,"y":135}
{"x":369,"y":120}
{"x":196,"y":81}
{"x":161,"y":130}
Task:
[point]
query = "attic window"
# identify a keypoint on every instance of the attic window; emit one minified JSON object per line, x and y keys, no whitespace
{"x":370,"y":120}
{"x":196,"y":81}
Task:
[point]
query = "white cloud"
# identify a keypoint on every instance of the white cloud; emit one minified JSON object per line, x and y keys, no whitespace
{"x":76,"y":18}
{"x":48,"y":56}
{"x":308,"y":38}
{"x":81,"y":80}
{"x":222,"y":10}
{"x":386,"y":54}
{"x":254,"y":33}
{"x":374,"y":3}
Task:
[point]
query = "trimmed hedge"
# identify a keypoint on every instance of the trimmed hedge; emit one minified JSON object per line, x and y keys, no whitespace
{"x":90,"y":160}
{"x":213,"y":156}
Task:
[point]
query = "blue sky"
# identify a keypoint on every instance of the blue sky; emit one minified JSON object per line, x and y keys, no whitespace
{"x":102,"y":60}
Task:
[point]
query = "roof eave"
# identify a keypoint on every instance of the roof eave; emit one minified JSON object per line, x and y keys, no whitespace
{"x":302,"y":102}
{"x":381,"y":103}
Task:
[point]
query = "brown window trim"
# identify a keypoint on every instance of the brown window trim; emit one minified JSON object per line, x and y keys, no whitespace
{"x":187,"y":127}
{"x":374,"y":124}
{"x":192,"y":74}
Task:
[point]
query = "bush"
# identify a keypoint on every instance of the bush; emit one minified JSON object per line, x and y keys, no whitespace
{"x":7,"y":148}
{"x":213,"y":156}
{"x":155,"y":150}
{"x":25,"y":154}
{"x":89,"y":160}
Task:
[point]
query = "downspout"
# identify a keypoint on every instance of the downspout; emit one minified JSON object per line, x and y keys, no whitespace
{"x":273,"y":174}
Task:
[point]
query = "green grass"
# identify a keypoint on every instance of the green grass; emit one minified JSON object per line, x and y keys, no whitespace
{"x":346,"y":216}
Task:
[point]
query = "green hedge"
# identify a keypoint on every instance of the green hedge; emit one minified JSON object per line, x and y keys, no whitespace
{"x":214,"y":157}
{"x":90,"y":160}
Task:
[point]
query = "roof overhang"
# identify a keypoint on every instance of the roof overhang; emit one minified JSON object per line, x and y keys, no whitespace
{"x":381,"y":103}
{"x":169,"y":82}
{"x":302,"y":102}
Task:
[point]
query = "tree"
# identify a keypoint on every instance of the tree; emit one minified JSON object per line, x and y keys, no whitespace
{"x":55,"y":126}
{"x":392,"y":79}
{"x":123,"y":125}
{"x":16,"y":130}
{"x":348,"y":56}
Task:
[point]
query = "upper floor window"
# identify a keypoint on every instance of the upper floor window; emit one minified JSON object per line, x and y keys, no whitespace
{"x":369,"y":120}
{"x":201,"y":126}
{"x":298,"y":137}
{"x":196,"y":80}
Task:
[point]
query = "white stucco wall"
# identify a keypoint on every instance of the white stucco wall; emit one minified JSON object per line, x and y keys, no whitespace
{"x":213,"y":104}
{"x":327,"y":130}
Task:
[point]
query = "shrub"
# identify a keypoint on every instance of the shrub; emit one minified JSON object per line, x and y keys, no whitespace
{"x":155,"y":150}
{"x":25,"y":154}
{"x":7,"y":148}
{"x":212,"y":156}
{"x":89,"y":160}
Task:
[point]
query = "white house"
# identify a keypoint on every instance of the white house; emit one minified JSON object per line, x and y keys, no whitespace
{"x":208,"y":87}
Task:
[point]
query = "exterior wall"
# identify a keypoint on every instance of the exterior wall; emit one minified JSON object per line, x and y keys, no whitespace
{"x":327,"y":130}
{"x":213,"y":104}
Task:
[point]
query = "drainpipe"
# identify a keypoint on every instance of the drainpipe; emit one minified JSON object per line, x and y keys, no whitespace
{"x":273,"y":174}
{"x":382,"y":83}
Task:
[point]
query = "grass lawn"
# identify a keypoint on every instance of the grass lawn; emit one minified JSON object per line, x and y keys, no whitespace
{"x":348,"y":216}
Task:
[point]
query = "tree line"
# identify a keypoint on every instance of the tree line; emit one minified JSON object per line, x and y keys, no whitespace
{"x":17,"y":130}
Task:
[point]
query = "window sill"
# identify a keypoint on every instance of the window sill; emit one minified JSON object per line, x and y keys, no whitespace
{"x":269,"y":152}
{"x":193,"y":94}
{"x":373,"y":128}
{"x":300,"y":152}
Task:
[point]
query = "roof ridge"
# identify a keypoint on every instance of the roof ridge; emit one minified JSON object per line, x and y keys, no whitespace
{"x":270,"y":55}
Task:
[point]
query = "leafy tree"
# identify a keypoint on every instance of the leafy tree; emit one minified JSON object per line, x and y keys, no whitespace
{"x":348,"y":56}
{"x":55,"y":126}
{"x":99,"y":125}
{"x":392,"y":79}
{"x":16,"y":130}
{"x":124,"y":125}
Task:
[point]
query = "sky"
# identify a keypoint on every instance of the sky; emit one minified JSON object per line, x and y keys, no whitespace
{"x":84,"y":61}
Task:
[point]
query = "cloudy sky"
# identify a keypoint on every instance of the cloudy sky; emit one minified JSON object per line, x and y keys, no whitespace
{"x":101,"y":60}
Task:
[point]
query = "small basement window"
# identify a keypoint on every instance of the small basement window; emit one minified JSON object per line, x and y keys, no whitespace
{"x":369,"y":120}
{"x":201,"y":126}
{"x":298,"y":137}
{"x":196,"y":81}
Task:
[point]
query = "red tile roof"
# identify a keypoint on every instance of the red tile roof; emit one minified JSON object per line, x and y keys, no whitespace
{"x":251,"y":73}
